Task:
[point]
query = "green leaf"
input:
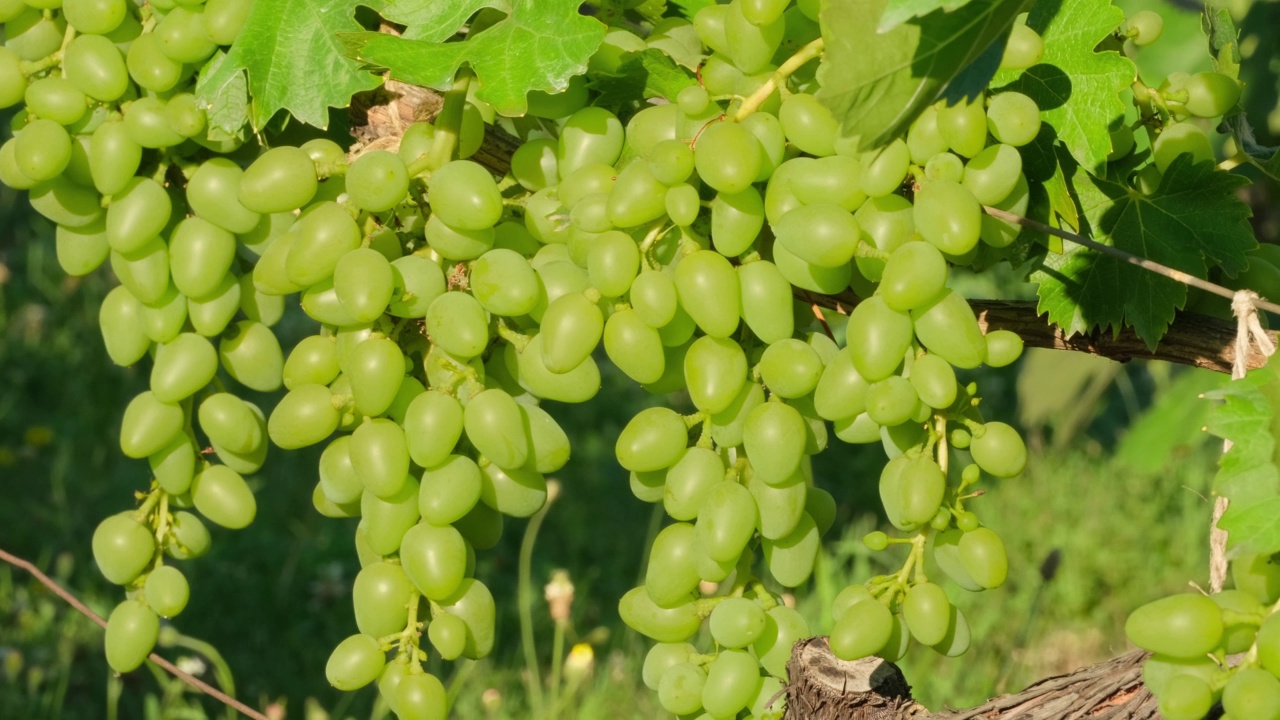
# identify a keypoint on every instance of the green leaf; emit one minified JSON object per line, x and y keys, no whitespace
{"x":689,"y":8}
{"x":228,"y":107}
{"x":900,"y":11}
{"x":1192,"y":221}
{"x":649,"y":73}
{"x":1075,"y":86}
{"x":1266,"y":159}
{"x":1248,"y":475}
{"x":538,"y":46}
{"x":877,"y":83}
{"x":1223,"y":40}
{"x":291,"y":54}
{"x":435,"y":20}
{"x":1167,"y":431}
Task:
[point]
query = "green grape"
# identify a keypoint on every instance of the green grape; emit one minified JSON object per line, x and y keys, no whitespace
{"x":878,"y":338}
{"x":715,"y":370}
{"x":338,"y":479}
{"x":737,"y":622}
{"x":200,"y":254}
{"x":192,"y":537}
{"x":964,"y":127}
{"x":182,"y":367}
{"x":376,"y":369}
{"x":355,"y":662}
{"x":886,"y":169}
{"x":449,"y":490}
{"x":132,"y":631}
{"x":654,"y":297}
{"x":992,"y":174}
{"x":95,"y":67}
{"x":680,"y":689}
{"x":774,"y":438}
{"x":791,"y":559}
{"x":634,"y":347}
{"x":835,"y":180}
{"x":380,"y":457}
{"x":304,"y":416}
{"x":841,"y":391}
{"x":211,"y":315}
{"x":379,"y":594}
{"x":613,"y":263}
{"x":647,"y":487}
{"x":780,"y":507}
{"x":13,"y":82}
{"x":822,"y":235}
{"x":1013,"y":118}
{"x":1004,"y":347}
{"x":945,"y":166}
{"x":672,"y":574}
{"x":927,"y":613}
{"x":766,"y":300}
{"x":1144,"y":27}
{"x":650,"y":126}
{"x":95,"y":17}
{"x":495,"y":426}
{"x":448,"y":635}
{"x":915,"y":273}
{"x":706,"y":285}
{"x":314,"y":360}
{"x":790,"y":368}
{"x":809,"y":125}
{"x":229,"y":422}
{"x":924,"y":139}
{"x":212,"y":192}
{"x":864,"y":629}
{"x":504,"y":283}
{"x":689,"y":480}
{"x":149,"y":425}
{"x":948,"y":328}
{"x":589,"y":136}
{"x":122,"y":548}
{"x":821,"y":506}
{"x":750,"y":44}
{"x":671,"y":161}
{"x":736,"y":221}
{"x":326,"y":233}
{"x":363,"y":283}
{"x":1023,"y":49}
{"x":464,"y":196}
{"x":948,"y":216}
{"x":121,"y":319}
{"x":888,"y":222}
{"x":983,"y":555}
{"x":727,"y":157}
{"x":1186,"y":625}
{"x":10,"y":175}
{"x":726,"y":521}
{"x":922,"y":486}
{"x":433,"y":424}
{"x":999,"y":450}
{"x":533,"y":164}
{"x":934,"y":381}
{"x":637,"y":197}
{"x":693,"y":100}
{"x":183,"y":38}
{"x":144,"y":272}
{"x":167,"y":591}
{"x":652,"y":440}
{"x":571,"y":328}
{"x":389,"y":519}
{"x":150,"y":68}
{"x":891,"y":401}
{"x":733,"y":679}
{"x":458,"y":324}
{"x":222,"y":496}
{"x":591,"y":213}
{"x":377,"y":181}
{"x":780,"y":195}
{"x":281,"y":179}
{"x":137,"y":214}
{"x":175,"y":465}
{"x":435,"y":559}
{"x":55,"y":99}
{"x":1240,"y":626}
{"x":42,"y":150}
{"x":1179,"y":139}
{"x":1268,"y":642}
{"x":148,"y":124}
{"x":65,"y":203}
{"x":417,"y":282}
{"x":1189,"y":698}
{"x":783,"y":628}
{"x":185,"y":115}
{"x":1252,"y":693}
{"x":519,"y":492}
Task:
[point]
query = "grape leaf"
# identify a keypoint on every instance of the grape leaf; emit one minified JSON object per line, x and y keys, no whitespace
{"x":1248,"y":475}
{"x":689,"y":8}
{"x":293,"y":60}
{"x":434,"y":20}
{"x":649,"y":73}
{"x":900,"y":11}
{"x":1224,"y":43}
{"x":227,"y":108}
{"x":877,"y":83}
{"x":538,"y":46}
{"x":1192,"y":221}
{"x":1075,"y":86}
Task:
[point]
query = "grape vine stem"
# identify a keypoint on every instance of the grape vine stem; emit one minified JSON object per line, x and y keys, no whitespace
{"x":779,"y":78}
{"x":172,"y":669}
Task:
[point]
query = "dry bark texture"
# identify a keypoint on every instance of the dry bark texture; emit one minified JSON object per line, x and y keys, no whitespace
{"x":824,"y":687}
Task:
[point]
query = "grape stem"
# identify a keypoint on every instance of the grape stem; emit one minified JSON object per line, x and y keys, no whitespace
{"x":525,"y":599}
{"x":449,"y":121}
{"x":169,"y":667}
{"x":1145,"y":264}
{"x":941,"y":428}
{"x":779,"y":78}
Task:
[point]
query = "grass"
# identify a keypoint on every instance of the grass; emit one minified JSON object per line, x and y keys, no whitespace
{"x":271,"y":601}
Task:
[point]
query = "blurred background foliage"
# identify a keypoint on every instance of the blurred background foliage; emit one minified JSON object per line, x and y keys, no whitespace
{"x":1112,"y":512}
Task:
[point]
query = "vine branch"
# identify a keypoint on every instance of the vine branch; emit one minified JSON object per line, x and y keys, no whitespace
{"x":172,"y":669}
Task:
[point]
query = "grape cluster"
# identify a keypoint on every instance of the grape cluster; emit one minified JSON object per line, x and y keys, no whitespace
{"x":1190,"y":636}
{"x":450,"y":304}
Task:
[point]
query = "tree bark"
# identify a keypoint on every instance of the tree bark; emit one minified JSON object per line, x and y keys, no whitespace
{"x":824,"y":687}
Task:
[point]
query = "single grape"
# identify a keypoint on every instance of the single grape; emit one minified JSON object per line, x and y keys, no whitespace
{"x":1144,"y":27}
